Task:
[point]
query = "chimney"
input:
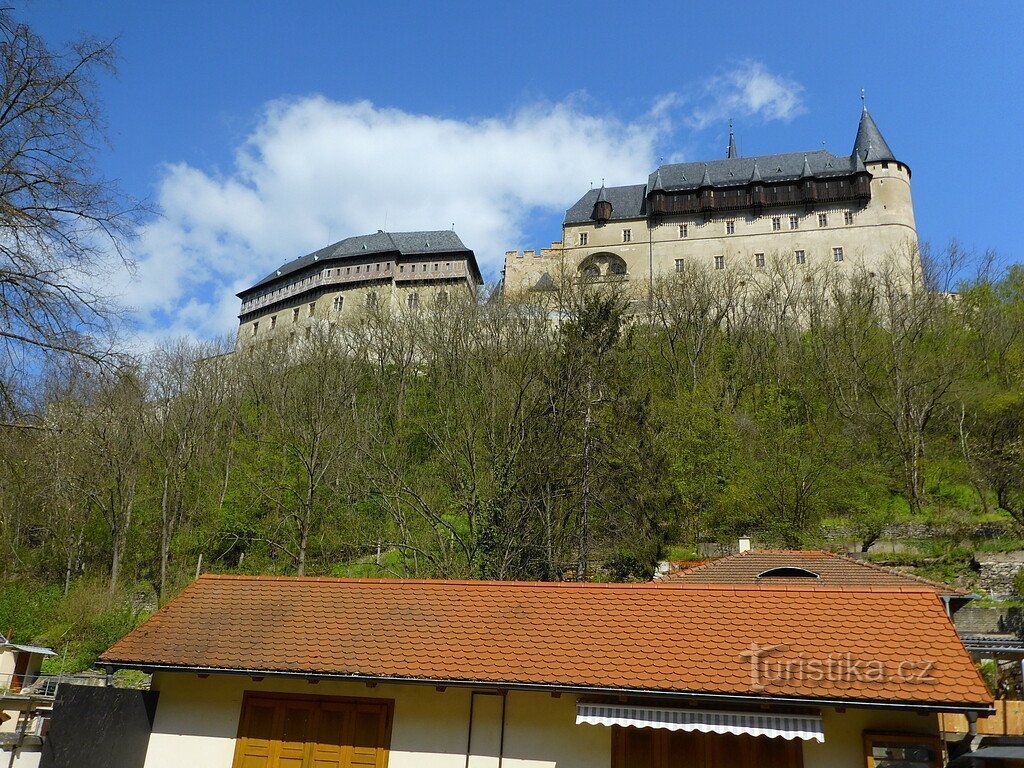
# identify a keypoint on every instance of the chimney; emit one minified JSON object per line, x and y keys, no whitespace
{"x":744,"y":543}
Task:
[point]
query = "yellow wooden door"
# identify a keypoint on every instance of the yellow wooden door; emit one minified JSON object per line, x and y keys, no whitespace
{"x":310,"y":732}
{"x":657,"y":748}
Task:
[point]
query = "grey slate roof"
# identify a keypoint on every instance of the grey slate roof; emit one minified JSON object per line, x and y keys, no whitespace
{"x":737,"y":171}
{"x":869,"y":143}
{"x":627,"y":203}
{"x":402,"y":243}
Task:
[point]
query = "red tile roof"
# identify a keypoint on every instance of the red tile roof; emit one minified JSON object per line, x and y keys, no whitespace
{"x":832,"y":570}
{"x":641,"y":637}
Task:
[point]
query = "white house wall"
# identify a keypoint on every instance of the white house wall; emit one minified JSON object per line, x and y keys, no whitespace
{"x":197,"y":721}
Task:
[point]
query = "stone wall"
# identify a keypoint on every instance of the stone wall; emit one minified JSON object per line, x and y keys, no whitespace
{"x":997,"y":572}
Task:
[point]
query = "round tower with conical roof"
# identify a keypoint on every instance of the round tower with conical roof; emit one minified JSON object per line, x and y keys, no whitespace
{"x":891,"y":204}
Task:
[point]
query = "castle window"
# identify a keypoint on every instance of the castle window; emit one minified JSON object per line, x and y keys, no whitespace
{"x":295,"y":315}
{"x":357,"y":270}
{"x":801,"y":257}
{"x":412,"y":267}
{"x":339,"y":301}
{"x":436,"y":266}
{"x":348,"y":270}
{"x":684,"y":230}
{"x":837,"y":254}
{"x":679,"y":265}
{"x":376,"y":267}
{"x":758,"y":259}
{"x":413,"y":300}
{"x":822,"y":219}
{"x":794,"y":222}
{"x":401,"y":267}
{"x":328,"y":273}
{"x":885,"y":165}
{"x":273,"y":321}
{"x":719,"y":262}
{"x":447,"y":265}
{"x":627,"y":235}
{"x":848,"y":218}
{"x":255,"y":328}
{"x":583,"y":238}
{"x":730,"y":227}
{"x":776,"y":223}
{"x":312,"y":308}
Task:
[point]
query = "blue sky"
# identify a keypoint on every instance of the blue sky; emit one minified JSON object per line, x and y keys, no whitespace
{"x":260,"y":130}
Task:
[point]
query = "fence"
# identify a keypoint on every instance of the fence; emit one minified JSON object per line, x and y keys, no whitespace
{"x":1007,"y":721}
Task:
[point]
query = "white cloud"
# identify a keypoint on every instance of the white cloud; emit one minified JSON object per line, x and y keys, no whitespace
{"x":314,"y":171}
{"x":746,"y":90}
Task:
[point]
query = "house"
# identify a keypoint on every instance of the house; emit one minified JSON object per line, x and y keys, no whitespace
{"x":26,"y":697}
{"x":787,"y":566}
{"x":276,"y":671}
{"x":812,"y":214}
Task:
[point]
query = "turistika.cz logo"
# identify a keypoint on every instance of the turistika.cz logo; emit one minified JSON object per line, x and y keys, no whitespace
{"x":769,"y":666}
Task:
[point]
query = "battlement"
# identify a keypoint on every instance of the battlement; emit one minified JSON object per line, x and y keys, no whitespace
{"x":554,"y":252}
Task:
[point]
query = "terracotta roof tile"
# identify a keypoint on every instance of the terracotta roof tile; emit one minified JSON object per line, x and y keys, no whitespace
{"x":832,"y":569}
{"x":651,"y":637}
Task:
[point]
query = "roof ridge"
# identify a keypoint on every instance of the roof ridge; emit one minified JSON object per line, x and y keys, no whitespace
{"x":587,"y":585}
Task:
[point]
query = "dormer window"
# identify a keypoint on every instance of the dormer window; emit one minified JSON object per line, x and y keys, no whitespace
{"x":788,"y":572}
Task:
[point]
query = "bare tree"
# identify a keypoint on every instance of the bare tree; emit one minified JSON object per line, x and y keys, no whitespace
{"x":62,"y":225}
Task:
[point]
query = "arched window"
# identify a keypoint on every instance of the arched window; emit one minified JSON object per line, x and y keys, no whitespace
{"x":603,"y":266}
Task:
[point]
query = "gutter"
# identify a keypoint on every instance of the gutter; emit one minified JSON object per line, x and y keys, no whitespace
{"x":983,"y":710}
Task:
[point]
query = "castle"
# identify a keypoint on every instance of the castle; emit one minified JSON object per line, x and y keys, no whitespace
{"x":385,"y":269}
{"x":808,"y":209}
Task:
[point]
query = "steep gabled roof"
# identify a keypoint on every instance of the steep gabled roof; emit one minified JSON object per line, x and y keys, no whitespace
{"x":627,"y":203}
{"x":685,"y":639}
{"x":832,"y":570}
{"x":869,"y":143}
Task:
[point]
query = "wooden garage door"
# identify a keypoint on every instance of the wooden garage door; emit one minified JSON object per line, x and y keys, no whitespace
{"x":659,"y":748}
{"x":313,"y":732}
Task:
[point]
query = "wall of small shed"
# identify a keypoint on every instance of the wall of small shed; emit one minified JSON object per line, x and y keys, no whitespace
{"x":197,"y":721}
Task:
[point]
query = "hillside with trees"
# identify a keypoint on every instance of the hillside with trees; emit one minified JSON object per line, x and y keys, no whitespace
{"x":499,"y":441}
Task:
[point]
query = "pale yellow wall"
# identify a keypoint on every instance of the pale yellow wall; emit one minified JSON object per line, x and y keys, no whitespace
{"x":6,"y":667}
{"x":844,"y":743}
{"x":197,"y":720}
{"x":388,"y":295}
{"x":883,"y":234}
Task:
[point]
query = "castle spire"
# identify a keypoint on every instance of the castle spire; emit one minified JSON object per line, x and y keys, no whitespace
{"x":658,"y":185}
{"x":732,"y":142}
{"x":869,"y":143}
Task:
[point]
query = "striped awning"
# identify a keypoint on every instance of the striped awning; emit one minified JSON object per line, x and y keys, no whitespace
{"x":771,"y":724}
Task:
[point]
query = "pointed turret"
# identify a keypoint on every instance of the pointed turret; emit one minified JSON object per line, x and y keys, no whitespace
{"x":658,"y":186}
{"x":705,"y":180}
{"x":732,"y":143}
{"x":869,"y":144}
{"x":602,"y":206}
